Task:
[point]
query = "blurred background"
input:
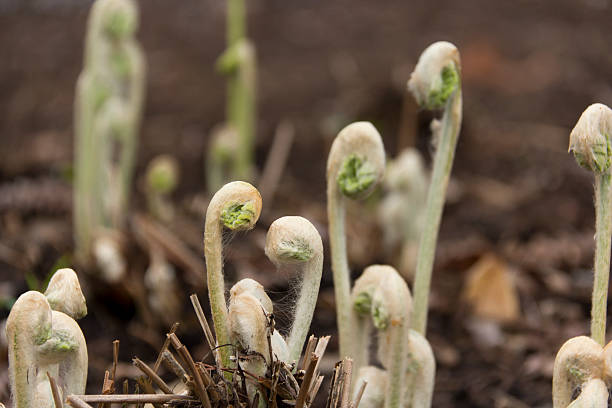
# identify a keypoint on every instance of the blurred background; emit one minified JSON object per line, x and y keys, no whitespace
{"x":518,"y":225}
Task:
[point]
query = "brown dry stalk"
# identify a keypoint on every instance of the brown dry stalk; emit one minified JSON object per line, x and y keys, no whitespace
{"x":174,"y":365}
{"x":347,"y":372}
{"x":197,"y":306}
{"x":147,"y":386}
{"x":164,"y":348}
{"x":148,"y":371}
{"x":355,"y":403}
{"x":301,"y":399}
{"x":57,"y":398}
{"x":76,"y":402}
{"x":131,"y":398}
{"x":199,"y":388}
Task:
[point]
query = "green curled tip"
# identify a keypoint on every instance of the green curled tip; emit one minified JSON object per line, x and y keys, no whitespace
{"x":42,"y":334}
{"x":590,"y":138}
{"x":578,"y":374}
{"x":297,"y":250}
{"x":120,"y":19}
{"x":449,"y":83}
{"x":162,"y":174}
{"x":356,"y":176}
{"x":60,"y":341}
{"x":238,"y":216}
{"x":380,"y":316}
{"x":597,"y":159}
{"x":363,"y":303}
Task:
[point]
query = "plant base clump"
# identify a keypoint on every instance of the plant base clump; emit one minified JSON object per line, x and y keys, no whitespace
{"x":205,"y":384}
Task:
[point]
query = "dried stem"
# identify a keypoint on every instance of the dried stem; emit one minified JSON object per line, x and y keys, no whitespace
{"x":57,"y":397}
{"x":355,"y":404}
{"x":204,"y":324}
{"x":77,"y":402}
{"x":308,"y":377}
{"x":160,"y":356}
{"x":199,"y":388}
{"x":132,"y":398}
{"x":156,"y":379}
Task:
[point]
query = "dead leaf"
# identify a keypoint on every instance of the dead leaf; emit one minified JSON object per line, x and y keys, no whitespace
{"x":490,"y":290}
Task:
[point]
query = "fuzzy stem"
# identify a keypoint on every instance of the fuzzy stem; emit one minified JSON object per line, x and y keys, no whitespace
{"x":82,"y":186}
{"x":129,"y":142}
{"x":242,"y":113}
{"x":443,"y":162}
{"x":236,"y":27}
{"x":241,"y":88}
{"x":240,"y":205}
{"x":603,"y":231}
{"x":355,"y":165}
{"x":219,"y":160}
{"x":361,"y":299}
{"x":342,"y":285}
{"x":295,"y":241}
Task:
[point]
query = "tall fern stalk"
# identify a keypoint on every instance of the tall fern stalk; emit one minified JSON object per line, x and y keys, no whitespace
{"x":436,"y":83}
{"x":236,"y":207}
{"x":590,"y":142}
{"x":355,"y":165}
{"x":238,"y":62}
{"x":108,"y":105}
{"x":602,"y":257}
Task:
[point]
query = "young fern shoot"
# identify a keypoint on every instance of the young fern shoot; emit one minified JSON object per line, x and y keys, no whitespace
{"x":162,"y":178}
{"x":236,"y":206}
{"x":252,"y":334}
{"x":389,"y":305}
{"x":255,"y":289}
{"x":355,"y":165}
{"x":591,"y":143}
{"x":64,"y":294}
{"x":435,"y":84}
{"x":44,"y":340}
{"x":238,"y":62}
{"x":579,"y":361}
{"x":380,"y":288}
{"x":68,"y":304}
{"x":28,"y":328}
{"x":294,"y":241}
{"x":108,"y":106}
